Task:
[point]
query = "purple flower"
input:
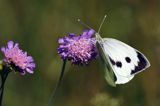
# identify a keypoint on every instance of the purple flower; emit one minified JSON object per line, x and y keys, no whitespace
{"x":78,"y":49}
{"x":17,"y":59}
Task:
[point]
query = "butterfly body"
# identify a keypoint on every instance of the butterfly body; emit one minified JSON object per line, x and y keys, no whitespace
{"x":123,"y":60}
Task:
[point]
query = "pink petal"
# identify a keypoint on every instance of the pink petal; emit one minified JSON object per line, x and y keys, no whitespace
{"x":3,"y":49}
{"x":10,"y":44}
{"x":29,"y":71}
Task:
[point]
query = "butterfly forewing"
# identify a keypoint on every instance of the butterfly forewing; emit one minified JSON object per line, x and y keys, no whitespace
{"x":125,"y":60}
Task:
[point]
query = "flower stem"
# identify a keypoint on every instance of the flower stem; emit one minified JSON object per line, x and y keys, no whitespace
{"x":4,"y":75}
{"x":58,"y":84}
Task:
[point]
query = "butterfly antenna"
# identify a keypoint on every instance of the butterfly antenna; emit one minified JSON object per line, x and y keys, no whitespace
{"x":102,"y":23}
{"x":79,"y":20}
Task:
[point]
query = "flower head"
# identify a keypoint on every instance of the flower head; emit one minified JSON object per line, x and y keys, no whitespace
{"x":17,"y":59}
{"x":78,"y":49}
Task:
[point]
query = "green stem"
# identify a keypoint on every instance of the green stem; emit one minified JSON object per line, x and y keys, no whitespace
{"x":51,"y":100}
{"x":4,"y":75}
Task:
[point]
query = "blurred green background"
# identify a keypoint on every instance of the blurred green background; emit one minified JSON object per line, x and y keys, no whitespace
{"x":37,"y":24}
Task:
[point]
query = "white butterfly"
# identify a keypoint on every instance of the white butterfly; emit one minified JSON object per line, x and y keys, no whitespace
{"x":124,"y":60}
{"x":121,"y":61}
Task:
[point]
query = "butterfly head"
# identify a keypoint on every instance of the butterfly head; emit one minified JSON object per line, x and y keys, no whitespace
{"x":98,"y":37}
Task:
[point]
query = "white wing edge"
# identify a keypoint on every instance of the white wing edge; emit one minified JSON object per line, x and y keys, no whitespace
{"x":148,"y":63}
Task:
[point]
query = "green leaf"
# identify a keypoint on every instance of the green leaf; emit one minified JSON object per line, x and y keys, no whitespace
{"x":109,"y":74}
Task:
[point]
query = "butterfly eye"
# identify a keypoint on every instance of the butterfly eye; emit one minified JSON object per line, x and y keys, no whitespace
{"x":128,"y":60}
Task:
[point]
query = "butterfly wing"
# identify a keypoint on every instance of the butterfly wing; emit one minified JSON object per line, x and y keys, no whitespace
{"x":124,"y":60}
{"x":109,"y":74}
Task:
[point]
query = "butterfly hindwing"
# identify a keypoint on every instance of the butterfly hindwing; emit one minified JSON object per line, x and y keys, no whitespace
{"x":124,"y":60}
{"x":109,"y":74}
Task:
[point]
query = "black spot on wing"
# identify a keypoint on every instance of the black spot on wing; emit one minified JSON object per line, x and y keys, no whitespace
{"x":141,"y":64}
{"x":112,"y":61}
{"x":115,"y":78}
{"x":118,"y":64}
{"x":128,"y":60}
